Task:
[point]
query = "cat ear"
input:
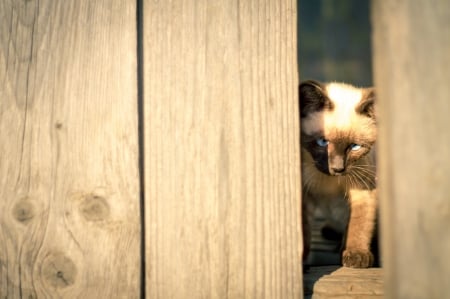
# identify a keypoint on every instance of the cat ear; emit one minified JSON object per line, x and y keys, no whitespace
{"x":312,"y":97}
{"x":367,"y":104}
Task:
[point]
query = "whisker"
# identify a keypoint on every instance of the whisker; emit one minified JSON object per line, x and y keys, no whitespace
{"x":347,"y":178}
{"x":352,"y":181}
{"x":364,"y":171}
{"x":364,"y":167}
{"x":370,"y":173}
{"x":309,"y":182}
{"x":371,"y":169}
{"x":362,"y":178}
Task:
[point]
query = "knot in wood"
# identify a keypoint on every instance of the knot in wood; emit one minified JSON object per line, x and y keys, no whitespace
{"x":23,"y":211}
{"x":59,"y":271}
{"x":95,"y":208}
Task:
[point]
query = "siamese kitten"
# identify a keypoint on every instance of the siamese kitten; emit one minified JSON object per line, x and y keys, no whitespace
{"x":338,"y":135}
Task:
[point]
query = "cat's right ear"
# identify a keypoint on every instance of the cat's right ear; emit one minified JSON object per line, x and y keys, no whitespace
{"x":312,"y":97}
{"x":367,"y":103}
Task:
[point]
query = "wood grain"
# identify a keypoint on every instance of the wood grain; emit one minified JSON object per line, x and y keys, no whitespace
{"x":69,"y":182}
{"x":221,"y":149}
{"x":330,"y":283}
{"x":412,"y":70}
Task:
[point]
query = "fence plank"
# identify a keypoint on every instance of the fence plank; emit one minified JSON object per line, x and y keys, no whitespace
{"x":222,"y":149}
{"x":412,"y":69}
{"x":69,"y":182}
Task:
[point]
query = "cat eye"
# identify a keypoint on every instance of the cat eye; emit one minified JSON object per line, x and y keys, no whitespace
{"x":355,"y":147}
{"x":322,"y":142}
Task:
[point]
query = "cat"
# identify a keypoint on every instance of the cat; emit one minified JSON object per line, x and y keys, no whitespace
{"x":338,"y":141}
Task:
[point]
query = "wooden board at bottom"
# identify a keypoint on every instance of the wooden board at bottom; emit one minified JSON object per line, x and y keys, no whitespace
{"x":334,"y":282}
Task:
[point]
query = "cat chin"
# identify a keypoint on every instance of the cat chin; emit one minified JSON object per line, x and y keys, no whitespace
{"x":338,"y":174}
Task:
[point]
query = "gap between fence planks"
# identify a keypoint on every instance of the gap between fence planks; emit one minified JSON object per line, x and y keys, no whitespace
{"x":69,"y":182}
{"x":221,"y":149}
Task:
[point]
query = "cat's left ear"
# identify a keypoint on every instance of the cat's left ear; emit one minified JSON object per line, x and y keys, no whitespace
{"x":367,"y":104}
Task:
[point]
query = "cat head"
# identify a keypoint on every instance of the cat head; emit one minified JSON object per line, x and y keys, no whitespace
{"x":338,"y":124}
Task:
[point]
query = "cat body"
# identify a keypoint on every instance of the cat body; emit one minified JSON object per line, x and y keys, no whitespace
{"x":338,"y":136}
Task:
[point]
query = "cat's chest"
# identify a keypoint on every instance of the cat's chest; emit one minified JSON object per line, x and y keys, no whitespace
{"x":329,"y":188}
{"x":322,"y":186}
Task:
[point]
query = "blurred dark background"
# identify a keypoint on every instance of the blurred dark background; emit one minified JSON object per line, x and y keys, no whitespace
{"x":334,"y":41}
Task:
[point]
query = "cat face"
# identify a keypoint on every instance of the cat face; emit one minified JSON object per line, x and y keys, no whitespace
{"x":338,"y":125}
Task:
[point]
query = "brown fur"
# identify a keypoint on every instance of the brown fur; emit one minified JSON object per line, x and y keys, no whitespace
{"x":343,"y":170}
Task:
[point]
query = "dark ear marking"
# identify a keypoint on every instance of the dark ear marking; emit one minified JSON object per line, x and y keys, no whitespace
{"x":367,"y":104}
{"x":312,"y":96}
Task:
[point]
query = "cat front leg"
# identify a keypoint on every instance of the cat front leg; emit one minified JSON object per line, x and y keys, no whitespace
{"x":361,"y":226}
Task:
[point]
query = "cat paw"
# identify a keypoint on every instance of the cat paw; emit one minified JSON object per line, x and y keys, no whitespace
{"x":357,"y":258}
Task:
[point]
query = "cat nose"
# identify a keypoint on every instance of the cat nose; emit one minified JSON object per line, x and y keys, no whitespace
{"x":336,"y":164}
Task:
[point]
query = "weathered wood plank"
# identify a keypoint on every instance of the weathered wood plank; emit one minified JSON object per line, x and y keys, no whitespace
{"x":69,"y":183}
{"x":412,"y":70}
{"x":329,"y":283}
{"x":222,"y":151}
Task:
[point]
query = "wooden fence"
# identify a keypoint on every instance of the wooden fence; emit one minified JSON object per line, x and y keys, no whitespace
{"x":69,"y":203}
{"x":150,"y":149}
{"x":412,"y":70}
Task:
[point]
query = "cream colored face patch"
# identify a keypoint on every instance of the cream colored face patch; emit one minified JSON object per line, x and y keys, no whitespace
{"x":334,"y":121}
{"x":344,"y":95}
{"x":328,"y":123}
{"x":345,"y":99}
{"x":313,"y":124}
{"x":343,"y":116}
